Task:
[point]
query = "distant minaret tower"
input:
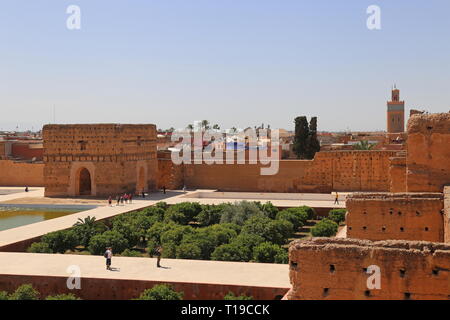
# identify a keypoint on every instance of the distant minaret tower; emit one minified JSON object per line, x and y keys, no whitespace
{"x":395,"y":113}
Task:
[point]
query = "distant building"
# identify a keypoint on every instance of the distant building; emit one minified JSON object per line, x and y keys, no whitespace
{"x":395,"y":113}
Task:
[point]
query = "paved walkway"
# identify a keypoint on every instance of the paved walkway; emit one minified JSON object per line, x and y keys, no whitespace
{"x":176,"y":270}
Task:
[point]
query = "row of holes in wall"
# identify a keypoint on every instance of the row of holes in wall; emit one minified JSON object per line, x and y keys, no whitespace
{"x":402,"y":229}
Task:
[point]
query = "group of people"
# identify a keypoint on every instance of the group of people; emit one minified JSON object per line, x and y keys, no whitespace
{"x":121,"y":199}
{"x":157,"y":252}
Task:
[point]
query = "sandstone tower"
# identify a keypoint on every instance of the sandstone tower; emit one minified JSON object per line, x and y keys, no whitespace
{"x":395,"y":113}
{"x":99,"y":160}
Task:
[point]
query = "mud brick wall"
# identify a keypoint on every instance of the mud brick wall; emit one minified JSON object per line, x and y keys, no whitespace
{"x":334,"y":170}
{"x":428,"y":158}
{"x":407,"y":216}
{"x":447,"y":214}
{"x":330,"y":268}
{"x":21,"y":174}
{"x":119,"y":158}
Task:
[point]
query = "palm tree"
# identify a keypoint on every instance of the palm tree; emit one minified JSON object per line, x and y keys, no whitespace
{"x":190,"y":127}
{"x":205,"y":125}
{"x":216,"y":127}
{"x":88,"y":221}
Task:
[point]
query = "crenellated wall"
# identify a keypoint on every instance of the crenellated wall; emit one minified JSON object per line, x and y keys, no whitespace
{"x":407,"y":216}
{"x":118,"y":158}
{"x":428,"y":160}
{"x":331,"y":268}
{"x":328,"y":171}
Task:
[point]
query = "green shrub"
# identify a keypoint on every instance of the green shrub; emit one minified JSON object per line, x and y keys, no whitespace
{"x":337,"y":215}
{"x":25,"y":292}
{"x":325,"y":228}
{"x":310,"y":211}
{"x":134,"y":225}
{"x":232,"y":296}
{"x":161,"y":292}
{"x":231,"y":252}
{"x":210,"y":215}
{"x":86,"y":228}
{"x":39,"y":247}
{"x":188,"y":250}
{"x":69,"y":296}
{"x":61,"y":241}
{"x":100,"y":242}
{"x":293,"y":216}
{"x":4,"y":295}
{"x":154,"y":211}
{"x":163,"y":205}
{"x":269,"y":209}
{"x":183,"y":213}
{"x":248,"y":240}
{"x":240,"y":212}
{"x":267,"y":252}
{"x":275,"y":231}
{"x":130,"y":253}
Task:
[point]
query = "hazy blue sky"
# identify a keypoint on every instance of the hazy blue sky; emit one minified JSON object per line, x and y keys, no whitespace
{"x":236,"y":63}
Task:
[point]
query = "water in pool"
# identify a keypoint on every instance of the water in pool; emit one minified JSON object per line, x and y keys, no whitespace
{"x":12,"y":216}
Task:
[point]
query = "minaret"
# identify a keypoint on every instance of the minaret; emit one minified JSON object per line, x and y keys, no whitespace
{"x":395,"y":113}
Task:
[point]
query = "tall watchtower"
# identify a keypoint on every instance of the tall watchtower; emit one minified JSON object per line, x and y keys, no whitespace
{"x":395,"y":113}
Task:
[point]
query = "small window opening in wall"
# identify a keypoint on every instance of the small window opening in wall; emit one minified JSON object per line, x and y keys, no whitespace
{"x":365,"y":270}
{"x":435,"y":272}
{"x":426,"y":229}
{"x":429,"y":127}
{"x":391,"y":212}
{"x":364,"y":212}
{"x":402,"y":273}
{"x":294,"y":265}
{"x":407,"y":295}
{"x":399,"y":213}
{"x":402,"y":229}
{"x":326,"y":291}
{"x":367,"y":293}
{"x":364,"y":228}
{"x":332,"y":268}
{"x":417,"y":213}
{"x":349,"y":228}
{"x":383,"y":228}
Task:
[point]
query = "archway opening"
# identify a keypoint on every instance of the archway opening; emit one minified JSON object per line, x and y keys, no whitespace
{"x":84,"y":183}
{"x":141,"y":185}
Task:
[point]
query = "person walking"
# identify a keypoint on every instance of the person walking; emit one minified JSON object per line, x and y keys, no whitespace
{"x":143,"y":194}
{"x":108,"y":256}
{"x":118,"y":200}
{"x":336,"y":198}
{"x":158,"y":253}
{"x":110,"y":201}
{"x":164,"y":189}
{"x":121,"y":200}
{"x":130,"y":197}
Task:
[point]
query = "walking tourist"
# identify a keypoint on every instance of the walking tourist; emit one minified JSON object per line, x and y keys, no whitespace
{"x":336,"y":198}
{"x":110,"y":201}
{"x":121,"y":199}
{"x":143,"y":194}
{"x":118,"y":200}
{"x":158,"y":253}
{"x":108,"y":256}
{"x":164,"y":189}
{"x":130,"y":197}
